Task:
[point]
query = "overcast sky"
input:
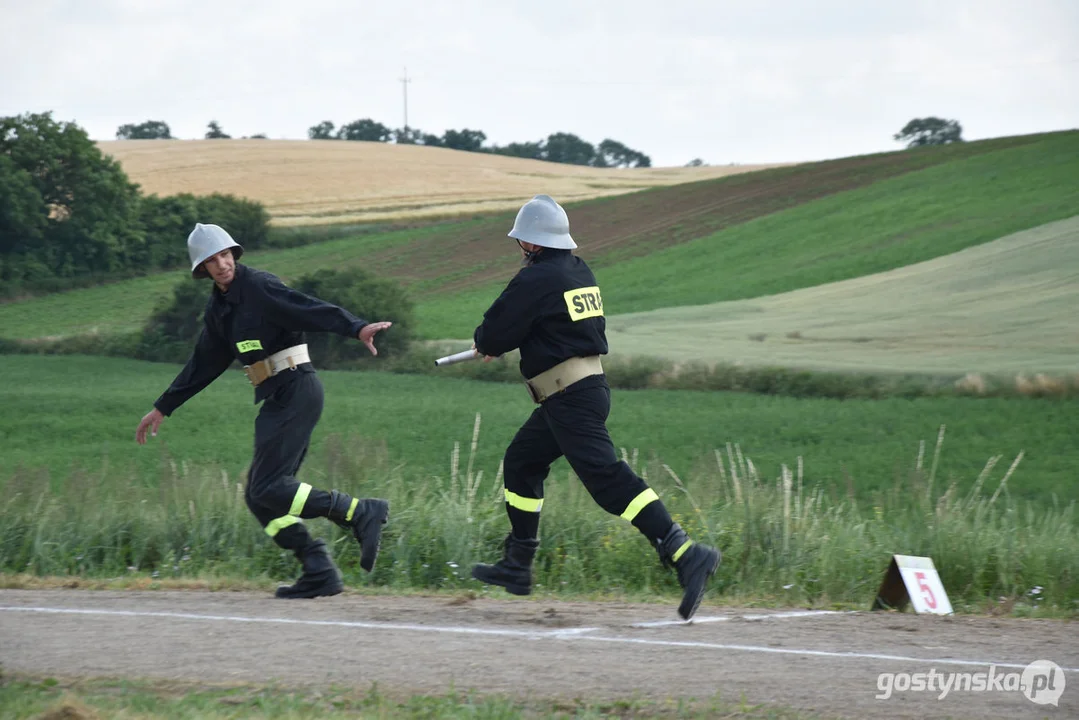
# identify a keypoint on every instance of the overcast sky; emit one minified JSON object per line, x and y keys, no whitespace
{"x":746,"y":81}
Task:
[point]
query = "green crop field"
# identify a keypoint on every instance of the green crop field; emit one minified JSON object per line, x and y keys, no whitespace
{"x":1006,"y":306}
{"x":82,"y":499}
{"x":67,"y":413}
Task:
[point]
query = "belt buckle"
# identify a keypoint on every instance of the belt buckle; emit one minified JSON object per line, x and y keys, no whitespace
{"x":259,"y":372}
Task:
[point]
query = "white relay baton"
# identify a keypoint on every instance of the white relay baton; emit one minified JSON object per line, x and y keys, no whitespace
{"x":458,"y":357}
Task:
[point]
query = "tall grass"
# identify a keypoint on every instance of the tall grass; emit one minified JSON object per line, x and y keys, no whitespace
{"x":783,"y":540}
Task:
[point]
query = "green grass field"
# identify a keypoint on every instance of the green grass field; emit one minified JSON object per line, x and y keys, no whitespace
{"x":1006,"y":306}
{"x":53,"y":699}
{"x":63,"y":413}
{"x":866,"y":488}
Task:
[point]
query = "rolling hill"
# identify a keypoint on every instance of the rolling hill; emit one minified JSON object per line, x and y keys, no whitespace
{"x":1006,"y":306}
{"x":737,"y":237}
{"x":305,"y":182}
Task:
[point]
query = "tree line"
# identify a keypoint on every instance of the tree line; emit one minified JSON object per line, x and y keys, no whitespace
{"x":560,"y":147}
{"x":70,"y":216}
{"x":160,"y":130}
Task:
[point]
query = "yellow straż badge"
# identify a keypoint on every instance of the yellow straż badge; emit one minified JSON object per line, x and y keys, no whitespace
{"x":583,"y":303}
{"x":248,"y":345}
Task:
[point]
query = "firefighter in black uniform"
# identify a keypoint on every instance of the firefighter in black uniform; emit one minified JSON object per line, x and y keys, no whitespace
{"x":553,"y":311}
{"x":256,"y":319}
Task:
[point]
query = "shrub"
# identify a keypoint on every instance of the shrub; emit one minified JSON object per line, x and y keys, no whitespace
{"x":368,"y":297}
{"x":170,"y":333}
{"x":246,"y":220}
{"x":168,"y":221}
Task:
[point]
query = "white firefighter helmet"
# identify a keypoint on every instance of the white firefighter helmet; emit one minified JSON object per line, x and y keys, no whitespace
{"x":206,"y":241}
{"x":541,"y":221}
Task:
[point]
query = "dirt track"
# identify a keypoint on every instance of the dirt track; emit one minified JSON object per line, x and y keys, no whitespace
{"x":826,"y":663}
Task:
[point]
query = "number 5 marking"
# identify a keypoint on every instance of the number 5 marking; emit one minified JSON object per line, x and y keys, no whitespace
{"x":930,"y":599}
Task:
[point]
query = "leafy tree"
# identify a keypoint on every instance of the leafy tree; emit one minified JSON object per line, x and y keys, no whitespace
{"x":167,"y":222}
{"x":612,"y":153}
{"x":431,"y":140}
{"x":568,"y":148}
{"x":89,"y":205}
{"x":245,"y":220}
{"x":149,"y":130}
{"x":214,"y":132}
{"x":23,"y":222}
{"x":365,"y":129}
{"x":469,"y":140}
{"x":408,"y":136}
{"x":322,"y":131}
{"x":23,"y":215}
{"x":929,"y":131}
{"x":696,"y":162}
{"x":530,"y":150}
{"x":257,"y":136}
{"x":370,"y":297}
{"x":170,"y":333}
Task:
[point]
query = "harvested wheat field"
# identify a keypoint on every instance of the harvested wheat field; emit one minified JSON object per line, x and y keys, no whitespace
{"x":305,"y":182}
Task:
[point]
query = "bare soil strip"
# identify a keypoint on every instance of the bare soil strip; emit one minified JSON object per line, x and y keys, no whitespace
{"x":821,"y":662}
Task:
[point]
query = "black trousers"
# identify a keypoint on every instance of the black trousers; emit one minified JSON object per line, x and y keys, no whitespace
{"x":574,"y":424}
{"x":282,"y":435}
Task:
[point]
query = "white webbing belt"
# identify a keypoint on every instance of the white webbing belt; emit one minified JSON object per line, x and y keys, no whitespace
{"x":286,"y":359}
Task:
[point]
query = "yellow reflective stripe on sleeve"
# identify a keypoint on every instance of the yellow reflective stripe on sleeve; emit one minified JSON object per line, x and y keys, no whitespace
{"x":679,"y":551}
{"x":583,"y":303}
{"x":637,"y":504}
{"x":278,"y":524}
{"x":351,"y":509}
{"x":299,"y":499}
{"x":523,"y":503}
{"x":249,"y":345}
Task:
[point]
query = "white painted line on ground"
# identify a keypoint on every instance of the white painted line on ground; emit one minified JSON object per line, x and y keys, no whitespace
{"x":569,"y":632}
{"x":726,"y":618}
{"x":563,"y":634}
{"x":504,"y":632}
{"x":811,"y":653}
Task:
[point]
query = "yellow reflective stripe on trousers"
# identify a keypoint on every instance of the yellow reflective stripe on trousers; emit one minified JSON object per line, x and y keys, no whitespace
{"x":679,"y":551}
{"x":278,"y":524}
{"x":523,"y":503}
{"x":351,"y":509}
{"x":298,"y":501}
{"x":637,"y":504}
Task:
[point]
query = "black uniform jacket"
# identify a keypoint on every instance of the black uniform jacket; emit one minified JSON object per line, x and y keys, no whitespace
{"x":552,"y":310}
{"x":257,"y":317}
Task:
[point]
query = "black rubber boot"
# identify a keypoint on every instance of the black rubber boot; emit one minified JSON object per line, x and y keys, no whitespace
{"x":320,"y":576}
{"x":695,"y":566}
{"x":514,"y":570}
{"x":365,"y":519}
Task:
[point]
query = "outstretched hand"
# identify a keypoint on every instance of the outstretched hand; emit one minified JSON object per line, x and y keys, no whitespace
{"x":150,"y":421}
{"x":367,"y":334}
